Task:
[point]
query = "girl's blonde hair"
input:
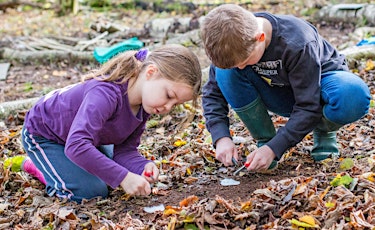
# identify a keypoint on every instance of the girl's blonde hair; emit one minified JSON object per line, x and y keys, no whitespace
{"x":175,"y":62}
{"x":229,"y":34}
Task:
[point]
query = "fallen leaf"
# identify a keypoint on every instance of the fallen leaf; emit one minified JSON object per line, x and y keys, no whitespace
{"x":301,"y":224}
{"x":307,"y":219}
{"x":346,"y":164}
{"x":179,"y":143}
{"x":341,"y":180}
{"x":188,"y":201}
{"x":369,"y":176}
{"x":369,"y":65}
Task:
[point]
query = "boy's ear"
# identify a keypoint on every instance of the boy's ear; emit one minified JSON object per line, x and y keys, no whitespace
{"x":261,"y":37}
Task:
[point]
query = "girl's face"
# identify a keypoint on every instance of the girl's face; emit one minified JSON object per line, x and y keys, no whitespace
{"x":160,"y":95}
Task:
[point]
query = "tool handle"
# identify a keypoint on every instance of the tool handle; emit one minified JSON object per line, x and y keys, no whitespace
{"x":150,"y":174}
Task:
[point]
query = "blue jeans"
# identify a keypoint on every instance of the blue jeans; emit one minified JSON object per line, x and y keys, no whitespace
{"x":64,"y":179}
{"x":344,"y":96}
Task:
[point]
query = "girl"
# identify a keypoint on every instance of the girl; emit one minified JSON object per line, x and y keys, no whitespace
{"x":85,"y":136}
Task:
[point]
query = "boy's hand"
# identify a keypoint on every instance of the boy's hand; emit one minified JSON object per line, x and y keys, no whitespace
{"x":260,"y":159}
{"x":134,"y":184}
{"x":226,"y":150}
{"x":151,"y":172}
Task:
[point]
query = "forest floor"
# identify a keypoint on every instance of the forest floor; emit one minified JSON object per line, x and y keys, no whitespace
{"x":299,"y":192}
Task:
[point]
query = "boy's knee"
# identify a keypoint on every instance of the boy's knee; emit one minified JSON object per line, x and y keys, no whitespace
{"x":347,"y":107}
{"x":356,"y":98}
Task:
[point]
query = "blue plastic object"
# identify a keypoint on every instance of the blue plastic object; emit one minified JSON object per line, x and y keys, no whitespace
{"x":367,"y":41}
{"x":103,"y":54}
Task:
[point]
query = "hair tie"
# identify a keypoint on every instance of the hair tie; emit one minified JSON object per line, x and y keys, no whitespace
{"x":141,"y":54}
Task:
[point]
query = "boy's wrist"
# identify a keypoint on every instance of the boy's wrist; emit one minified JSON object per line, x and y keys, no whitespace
{"x":219,"y":131}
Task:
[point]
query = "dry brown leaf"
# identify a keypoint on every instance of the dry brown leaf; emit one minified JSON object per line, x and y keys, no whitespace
{"x":227,"y":204}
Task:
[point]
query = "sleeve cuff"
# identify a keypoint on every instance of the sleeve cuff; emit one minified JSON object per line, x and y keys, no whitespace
{"x":279,"y":144}
{"x":218,"y":131}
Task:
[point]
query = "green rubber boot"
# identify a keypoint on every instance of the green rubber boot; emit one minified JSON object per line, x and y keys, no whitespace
{"x":325,"y":143}
{"x":257,"y":120}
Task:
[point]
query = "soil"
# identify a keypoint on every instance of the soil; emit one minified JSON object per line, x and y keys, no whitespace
{"x":28,"y":81}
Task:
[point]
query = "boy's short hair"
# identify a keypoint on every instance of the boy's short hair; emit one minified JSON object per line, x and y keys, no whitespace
{"x":228,"y":34}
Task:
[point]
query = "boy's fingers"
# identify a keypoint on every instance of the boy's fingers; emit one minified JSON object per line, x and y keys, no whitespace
{"x":250,"y":163}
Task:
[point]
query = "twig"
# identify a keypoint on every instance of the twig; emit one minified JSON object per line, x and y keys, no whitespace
{"x":82,"y":45}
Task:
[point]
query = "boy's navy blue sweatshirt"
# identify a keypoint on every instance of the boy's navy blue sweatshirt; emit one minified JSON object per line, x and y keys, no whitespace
{"x":296,"y":57}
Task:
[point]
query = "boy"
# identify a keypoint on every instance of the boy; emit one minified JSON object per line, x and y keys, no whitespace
{"x":279,"y":63}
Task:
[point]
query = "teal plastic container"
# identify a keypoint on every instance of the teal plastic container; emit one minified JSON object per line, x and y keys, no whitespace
{"x":103,"y":54}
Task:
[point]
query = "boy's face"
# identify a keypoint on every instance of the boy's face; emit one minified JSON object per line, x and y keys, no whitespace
{"x":254,"y":56}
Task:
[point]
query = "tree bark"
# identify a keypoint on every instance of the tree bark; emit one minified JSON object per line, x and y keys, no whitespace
{"x":355,"y":53}
{"x":359,"y":14}
{"x":46,"y":56}
{"x":11,"y":107}
{"x":16,"y":3}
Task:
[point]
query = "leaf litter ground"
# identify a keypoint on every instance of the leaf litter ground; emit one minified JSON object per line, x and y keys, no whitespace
{"x":334,"y":194}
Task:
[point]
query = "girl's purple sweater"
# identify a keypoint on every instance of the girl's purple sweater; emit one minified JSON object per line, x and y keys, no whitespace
{"x":86,"y":115}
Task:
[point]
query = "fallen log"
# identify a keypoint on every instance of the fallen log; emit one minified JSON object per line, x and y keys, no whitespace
{"x":358,"y":14}
{"x":356,"y":53}
{"x":12,"y":107}
{"x":362,"y":33}
{"x":16,"y":3}
{"x":45,"y":56}
{"x":359,"y":52}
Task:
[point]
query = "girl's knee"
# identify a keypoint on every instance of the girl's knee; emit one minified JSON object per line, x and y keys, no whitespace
{"x":98,"y":189}
{"x":81,"y":191}
{"x":91,"y":195}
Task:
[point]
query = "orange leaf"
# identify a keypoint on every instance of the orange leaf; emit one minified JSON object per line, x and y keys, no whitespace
{"x":246,"y":206}
{"x":351,"y":127}
{"x":201,"y":126}
{"x":188,"y":201}
{"x":231,"y":132}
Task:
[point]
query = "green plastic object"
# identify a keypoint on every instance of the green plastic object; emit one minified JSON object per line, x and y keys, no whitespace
{"x":103,"y":54}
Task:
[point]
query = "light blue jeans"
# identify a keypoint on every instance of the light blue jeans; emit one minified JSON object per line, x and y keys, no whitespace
{"x":344,"y":96}
{"x":64,"y":179}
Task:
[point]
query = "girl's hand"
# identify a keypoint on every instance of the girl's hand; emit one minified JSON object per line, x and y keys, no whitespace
{"x":226,"y":150}
{"x":134,"y":184}
{"x":151,"y":172}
